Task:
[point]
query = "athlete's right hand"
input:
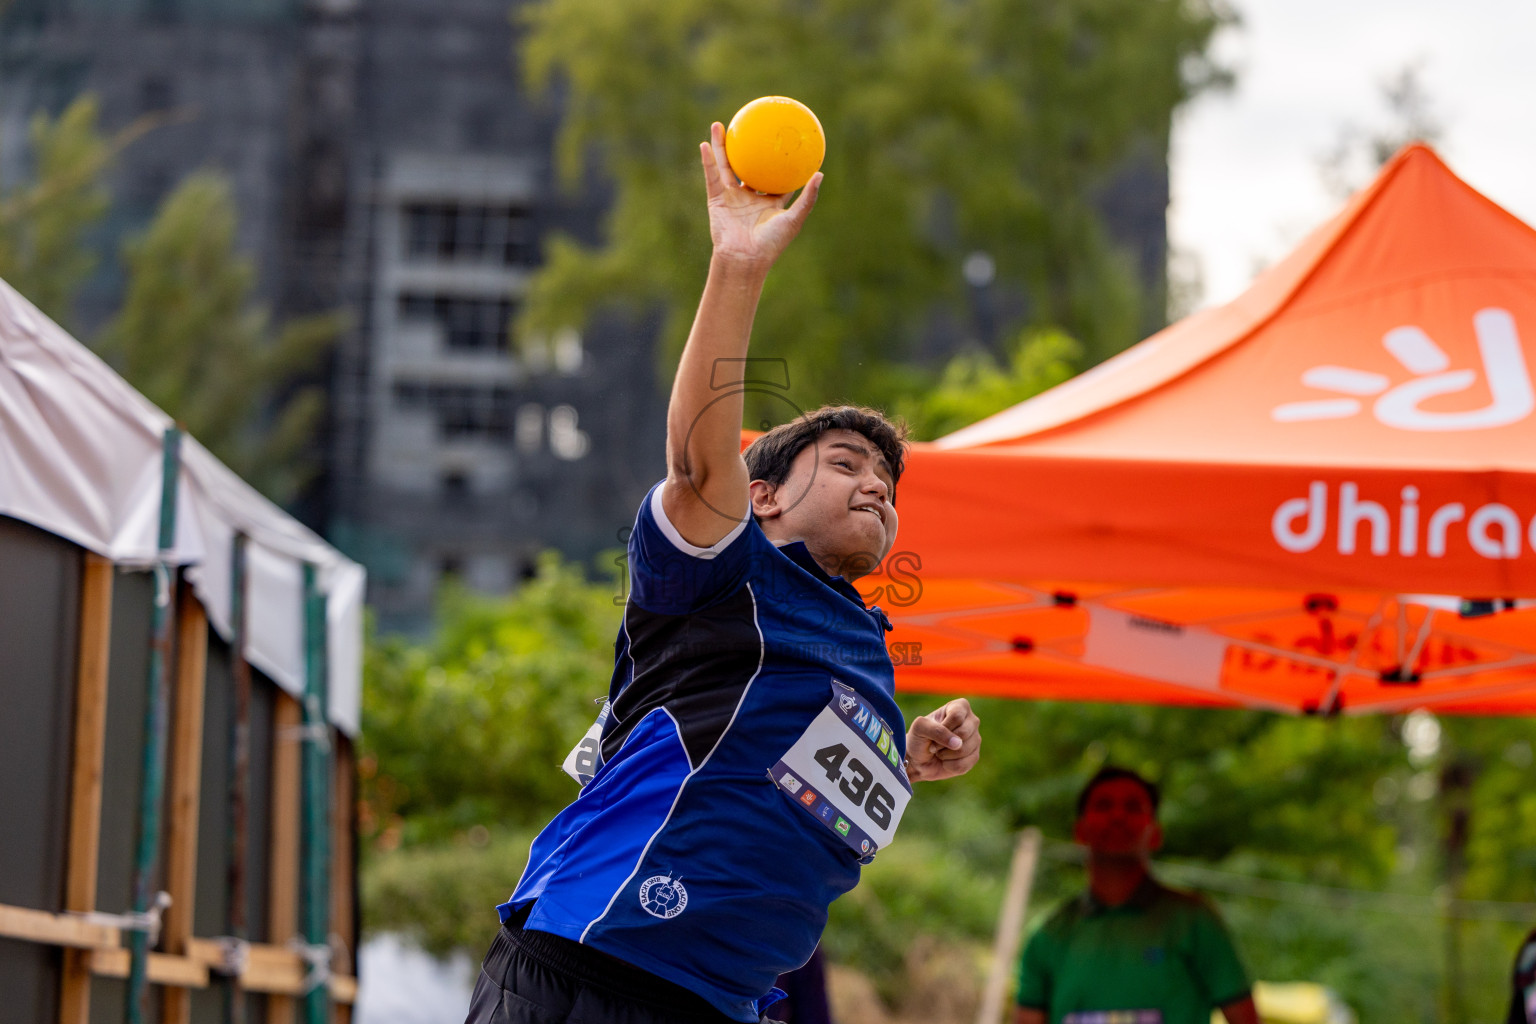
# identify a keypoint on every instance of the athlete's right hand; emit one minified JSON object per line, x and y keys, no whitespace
{"x":747,"y":227}
{"x":944,"y":743}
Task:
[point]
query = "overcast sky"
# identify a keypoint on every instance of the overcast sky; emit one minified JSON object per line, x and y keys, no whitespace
{"x":1245,"y":164}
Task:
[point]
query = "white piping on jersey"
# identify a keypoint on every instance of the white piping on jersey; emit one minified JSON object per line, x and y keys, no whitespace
{"x":670,"y":532}
{"x":762,"y":649}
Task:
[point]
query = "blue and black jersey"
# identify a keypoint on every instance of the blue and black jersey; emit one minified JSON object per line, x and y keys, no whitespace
{"x":681,"y":856}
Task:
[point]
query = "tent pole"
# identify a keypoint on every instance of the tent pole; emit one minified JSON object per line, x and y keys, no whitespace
{"x":1010,"y":925}
{"x":239,"y":769}
{"x":317,"y":825}
{"x":155,"y":724}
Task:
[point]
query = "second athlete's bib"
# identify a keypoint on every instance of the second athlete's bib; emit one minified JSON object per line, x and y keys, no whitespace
{"x":845,"y":771}
{"x":586,"y":757}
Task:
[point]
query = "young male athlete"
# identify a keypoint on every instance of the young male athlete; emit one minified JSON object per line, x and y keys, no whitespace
{"x":751,"y":756}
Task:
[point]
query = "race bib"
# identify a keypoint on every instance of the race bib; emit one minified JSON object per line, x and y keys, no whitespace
{"x":845,"y":771}
{"x":586,"y":757}
{"x":1114,"y":1017}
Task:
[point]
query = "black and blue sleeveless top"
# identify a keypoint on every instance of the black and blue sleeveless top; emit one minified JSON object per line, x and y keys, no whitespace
{"x":680,"y":855}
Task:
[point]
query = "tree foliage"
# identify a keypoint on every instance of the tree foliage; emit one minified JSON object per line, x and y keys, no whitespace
{"x":1359,"y":150}
{"x":974,"y":385}
{"x":1291,"y":797}
{"x":191,"y":338}
{"x":471,"y":729}
{"x":44,"y":221}
{"x":988,"y":125}
{"x":188,"y":333}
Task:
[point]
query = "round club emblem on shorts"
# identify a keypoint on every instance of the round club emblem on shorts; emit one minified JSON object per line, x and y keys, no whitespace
{"x":663,"y":896}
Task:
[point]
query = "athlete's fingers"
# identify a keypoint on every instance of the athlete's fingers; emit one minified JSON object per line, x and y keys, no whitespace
{"x":805,"y":201}
{"x":722,"y":165}
{"x":960,"y":765}
{"x":921,"y":764}
{"x":969,"y":751}
{"x":948,"y":727}
{"x":964,"y":723}
{"x":930,"y":729}
{"x":712,"y":183}
{"x":958,"y":716}
{"x":942,"y":764}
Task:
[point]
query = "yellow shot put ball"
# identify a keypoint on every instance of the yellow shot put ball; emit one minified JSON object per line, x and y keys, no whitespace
{"x":774,"y":144}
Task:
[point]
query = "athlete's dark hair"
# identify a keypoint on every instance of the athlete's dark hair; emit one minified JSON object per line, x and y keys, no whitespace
{"x":1111,"y":772}
{"x":769,"y":457}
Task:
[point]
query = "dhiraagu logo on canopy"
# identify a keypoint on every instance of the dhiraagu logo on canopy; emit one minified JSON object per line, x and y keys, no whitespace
{"x":1401,"y":405}
{"x":1493,"y":530}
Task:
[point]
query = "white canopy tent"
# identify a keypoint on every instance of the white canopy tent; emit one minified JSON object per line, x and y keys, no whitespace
{"x":81,"y":457}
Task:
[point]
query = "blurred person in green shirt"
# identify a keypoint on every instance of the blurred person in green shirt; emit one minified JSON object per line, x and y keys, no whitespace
{"x":1522,"y":1003}
{"x":1129,"y":950}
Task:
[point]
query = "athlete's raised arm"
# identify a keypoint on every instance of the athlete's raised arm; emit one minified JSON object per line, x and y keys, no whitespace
{"x":705,"y":495}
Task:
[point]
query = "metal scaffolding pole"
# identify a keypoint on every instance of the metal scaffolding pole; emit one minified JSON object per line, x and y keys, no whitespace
{"x":317,"y":824}
{"x":239,"y":770}
{"x":156,"y":715}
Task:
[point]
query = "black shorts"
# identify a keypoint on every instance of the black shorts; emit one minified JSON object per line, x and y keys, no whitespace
{"x":537,"y":978}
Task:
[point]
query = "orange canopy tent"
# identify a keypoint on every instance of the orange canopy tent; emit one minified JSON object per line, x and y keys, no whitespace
{"x":1320,"y":497}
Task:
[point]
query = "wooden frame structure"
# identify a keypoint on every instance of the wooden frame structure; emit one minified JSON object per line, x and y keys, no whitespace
{"x":93,"y":943}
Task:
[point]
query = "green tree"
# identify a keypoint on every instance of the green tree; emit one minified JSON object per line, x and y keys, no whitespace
{"x":1286,"y":797}
{"x":191,"y":338}
{"x":973,"y":385}
{"x":952,"y":127}
{"x":44,"y":221}
{"x":471,"y":729}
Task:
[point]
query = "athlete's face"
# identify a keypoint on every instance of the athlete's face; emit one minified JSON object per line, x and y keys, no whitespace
{"x":837,"y":499}
{"x":1119,"y":821}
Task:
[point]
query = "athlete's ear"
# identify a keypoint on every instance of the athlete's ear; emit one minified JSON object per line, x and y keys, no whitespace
{"x":765,"y":499}
{"x":1155,"y":837}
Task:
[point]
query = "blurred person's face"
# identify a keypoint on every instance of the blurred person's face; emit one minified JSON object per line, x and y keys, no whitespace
{"x":1118,"y":820}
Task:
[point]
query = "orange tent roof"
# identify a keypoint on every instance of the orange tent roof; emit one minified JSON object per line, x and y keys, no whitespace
{"x":1279,"y":503}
